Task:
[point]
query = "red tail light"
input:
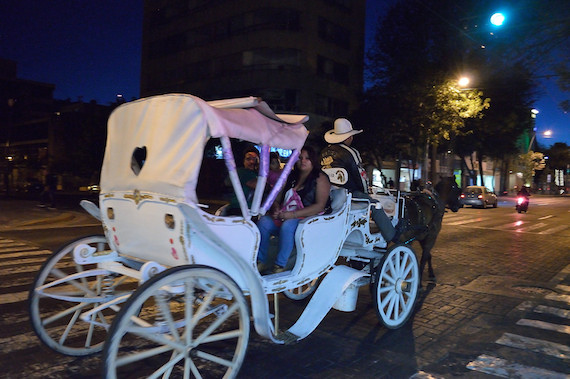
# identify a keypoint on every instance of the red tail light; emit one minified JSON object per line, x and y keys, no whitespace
{"x":480,"y":197}
{"x":520,"y":200}
{"x":462,"y":196}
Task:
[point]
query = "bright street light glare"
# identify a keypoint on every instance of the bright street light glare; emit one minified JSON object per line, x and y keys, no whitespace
{"x":547,"y":133}
{"x":463,"y":81}
{"x":497,"y":19}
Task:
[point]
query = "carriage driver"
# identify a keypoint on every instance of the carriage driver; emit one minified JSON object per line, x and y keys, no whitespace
{"x":340,"y":154}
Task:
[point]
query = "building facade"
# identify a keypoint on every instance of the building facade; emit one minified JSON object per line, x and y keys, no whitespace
{"x":299,"y":56}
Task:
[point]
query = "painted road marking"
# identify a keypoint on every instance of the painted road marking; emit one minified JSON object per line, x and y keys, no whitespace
{"x":558,"y":297}
{"x":545,"y":217}
{"x":554,"y":230}
{"x":562,"y":313}
{"x":538,"y":225}
{"x":468,"y":221}
{"x":544,"y":325}
{"x":503,"y":368}
{"x":538,"y":346}
{"x":564,"y":288}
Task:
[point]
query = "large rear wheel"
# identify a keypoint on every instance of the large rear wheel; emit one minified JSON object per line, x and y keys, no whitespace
{"x":55,"y":318}
{"x":186,"y":321}
{"x":395,"y":289}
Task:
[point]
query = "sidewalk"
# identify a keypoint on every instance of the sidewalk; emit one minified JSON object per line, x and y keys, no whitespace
{"x":21,"y":213}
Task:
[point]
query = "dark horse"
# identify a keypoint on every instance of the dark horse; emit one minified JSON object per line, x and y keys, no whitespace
{"x":424,"y":214}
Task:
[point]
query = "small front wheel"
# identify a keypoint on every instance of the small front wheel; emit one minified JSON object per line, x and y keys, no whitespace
{"x":302,"y":292}
{"x":396,"y":286}
{"x":186,"y":321}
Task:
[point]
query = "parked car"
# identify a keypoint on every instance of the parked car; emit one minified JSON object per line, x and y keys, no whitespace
{"x":479,"y":196}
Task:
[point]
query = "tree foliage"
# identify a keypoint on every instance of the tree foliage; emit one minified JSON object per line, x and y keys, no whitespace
{"x":531,"y":162}
{"x":421,"y":47}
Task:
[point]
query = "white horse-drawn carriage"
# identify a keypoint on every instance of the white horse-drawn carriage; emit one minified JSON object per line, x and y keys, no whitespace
{"x":164,"y":290}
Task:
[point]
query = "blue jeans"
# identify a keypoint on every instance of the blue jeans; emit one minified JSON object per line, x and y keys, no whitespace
{"x":286,"y":234}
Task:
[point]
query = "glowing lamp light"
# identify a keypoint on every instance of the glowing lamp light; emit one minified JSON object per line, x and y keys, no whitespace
{"x":497,"y":19}
{"x":547,"y":133}
{"x":463,"y":81}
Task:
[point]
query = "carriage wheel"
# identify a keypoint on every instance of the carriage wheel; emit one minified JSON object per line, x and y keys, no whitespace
{"x":186,"y":321}
{"x":303,"y":291}
{"x":396,"y":286}
{"x":57,"y":322}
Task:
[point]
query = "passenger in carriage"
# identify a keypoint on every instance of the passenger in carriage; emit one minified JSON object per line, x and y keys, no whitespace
{"x":248,"y":179}
{"x":311,"y":187}
{"x":340,"y":153}
{"x":274,"y":169}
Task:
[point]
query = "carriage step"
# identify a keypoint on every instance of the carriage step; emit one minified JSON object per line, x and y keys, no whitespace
{"x":287,"y":337}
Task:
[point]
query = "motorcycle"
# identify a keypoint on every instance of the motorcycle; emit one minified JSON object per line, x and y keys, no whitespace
{"x":522,"y":204}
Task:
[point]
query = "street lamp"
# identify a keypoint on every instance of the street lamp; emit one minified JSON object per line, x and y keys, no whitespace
{"x":463,"y":81}
{"x":498,"y":19}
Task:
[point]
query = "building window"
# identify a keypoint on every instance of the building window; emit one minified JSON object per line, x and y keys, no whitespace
{"x":336,"y":34}
{"x":271,"y":58}
{"x":280,"y":100}
{"x":331,"y":70}
{"x":331,"y":107}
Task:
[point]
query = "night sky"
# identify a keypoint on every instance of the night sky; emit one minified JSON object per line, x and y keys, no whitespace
{"x":91,"y":49}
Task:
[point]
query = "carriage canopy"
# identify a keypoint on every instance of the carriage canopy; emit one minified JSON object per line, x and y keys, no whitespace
{"x":156,"y":144}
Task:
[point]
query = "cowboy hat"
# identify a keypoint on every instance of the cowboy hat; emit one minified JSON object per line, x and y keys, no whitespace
{"x":342,"y":130}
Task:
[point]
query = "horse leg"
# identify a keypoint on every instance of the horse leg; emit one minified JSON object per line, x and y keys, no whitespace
{"x":427,"y":245}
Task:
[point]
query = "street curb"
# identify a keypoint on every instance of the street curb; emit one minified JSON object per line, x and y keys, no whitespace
{"x":48,"y":220}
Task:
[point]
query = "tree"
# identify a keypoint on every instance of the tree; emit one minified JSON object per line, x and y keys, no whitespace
{"x":531,"y":162}
{"x":419,"y":47}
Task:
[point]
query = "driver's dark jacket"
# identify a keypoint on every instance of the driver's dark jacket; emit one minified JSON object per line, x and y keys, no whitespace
{"x":334,"y":156}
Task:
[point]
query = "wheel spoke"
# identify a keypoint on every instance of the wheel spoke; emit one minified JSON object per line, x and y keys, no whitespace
{"x":213,"y":358}
{"x":168,"y":365}
{"x":164,"y":310}
{"x":70,"y":325}
{"x":403,"y":266}
{"x":386,"y":299}
{"x":213,"y":326}
{"x":193,"y":368}
{"x":391,"y":305}
{"x":135,"y":357}
{"x":205,"y":304}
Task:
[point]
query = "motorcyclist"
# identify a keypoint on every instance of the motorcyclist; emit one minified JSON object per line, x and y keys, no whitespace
{"x":524,"y":192}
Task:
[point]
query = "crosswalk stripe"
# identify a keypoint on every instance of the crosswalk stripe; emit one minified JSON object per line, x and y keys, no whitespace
{"x":463,"y":222}
{"x":538,"y":346}
{"x":510,"y":225}
{"x":544,"y":325}
{"x":25,"y":261}
{"x":558,"y":297}
{"x":11,"y":298}
{"x":554,"y":230}
{"x":30,"y":253}
{"x":503,"y":368}
{"x":21,"y":248}
{"x":538,"y":225}
{"x":563,"y":287}
{"x":563,"y":313}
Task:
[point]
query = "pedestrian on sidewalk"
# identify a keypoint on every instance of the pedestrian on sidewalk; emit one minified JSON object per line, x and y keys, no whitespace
{"x":47,"y":197}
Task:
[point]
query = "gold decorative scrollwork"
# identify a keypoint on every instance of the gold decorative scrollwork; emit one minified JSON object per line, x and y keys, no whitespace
{"x":359,"y":223}
{"x":137,"y":197}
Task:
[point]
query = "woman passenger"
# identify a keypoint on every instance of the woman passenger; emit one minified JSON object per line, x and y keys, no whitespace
{"x":313,"y":188}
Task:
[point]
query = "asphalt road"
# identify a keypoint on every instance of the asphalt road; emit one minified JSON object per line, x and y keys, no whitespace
{"x":501,"y":304}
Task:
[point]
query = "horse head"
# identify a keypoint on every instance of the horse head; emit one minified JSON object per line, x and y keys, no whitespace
{"x":449,"y":192}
